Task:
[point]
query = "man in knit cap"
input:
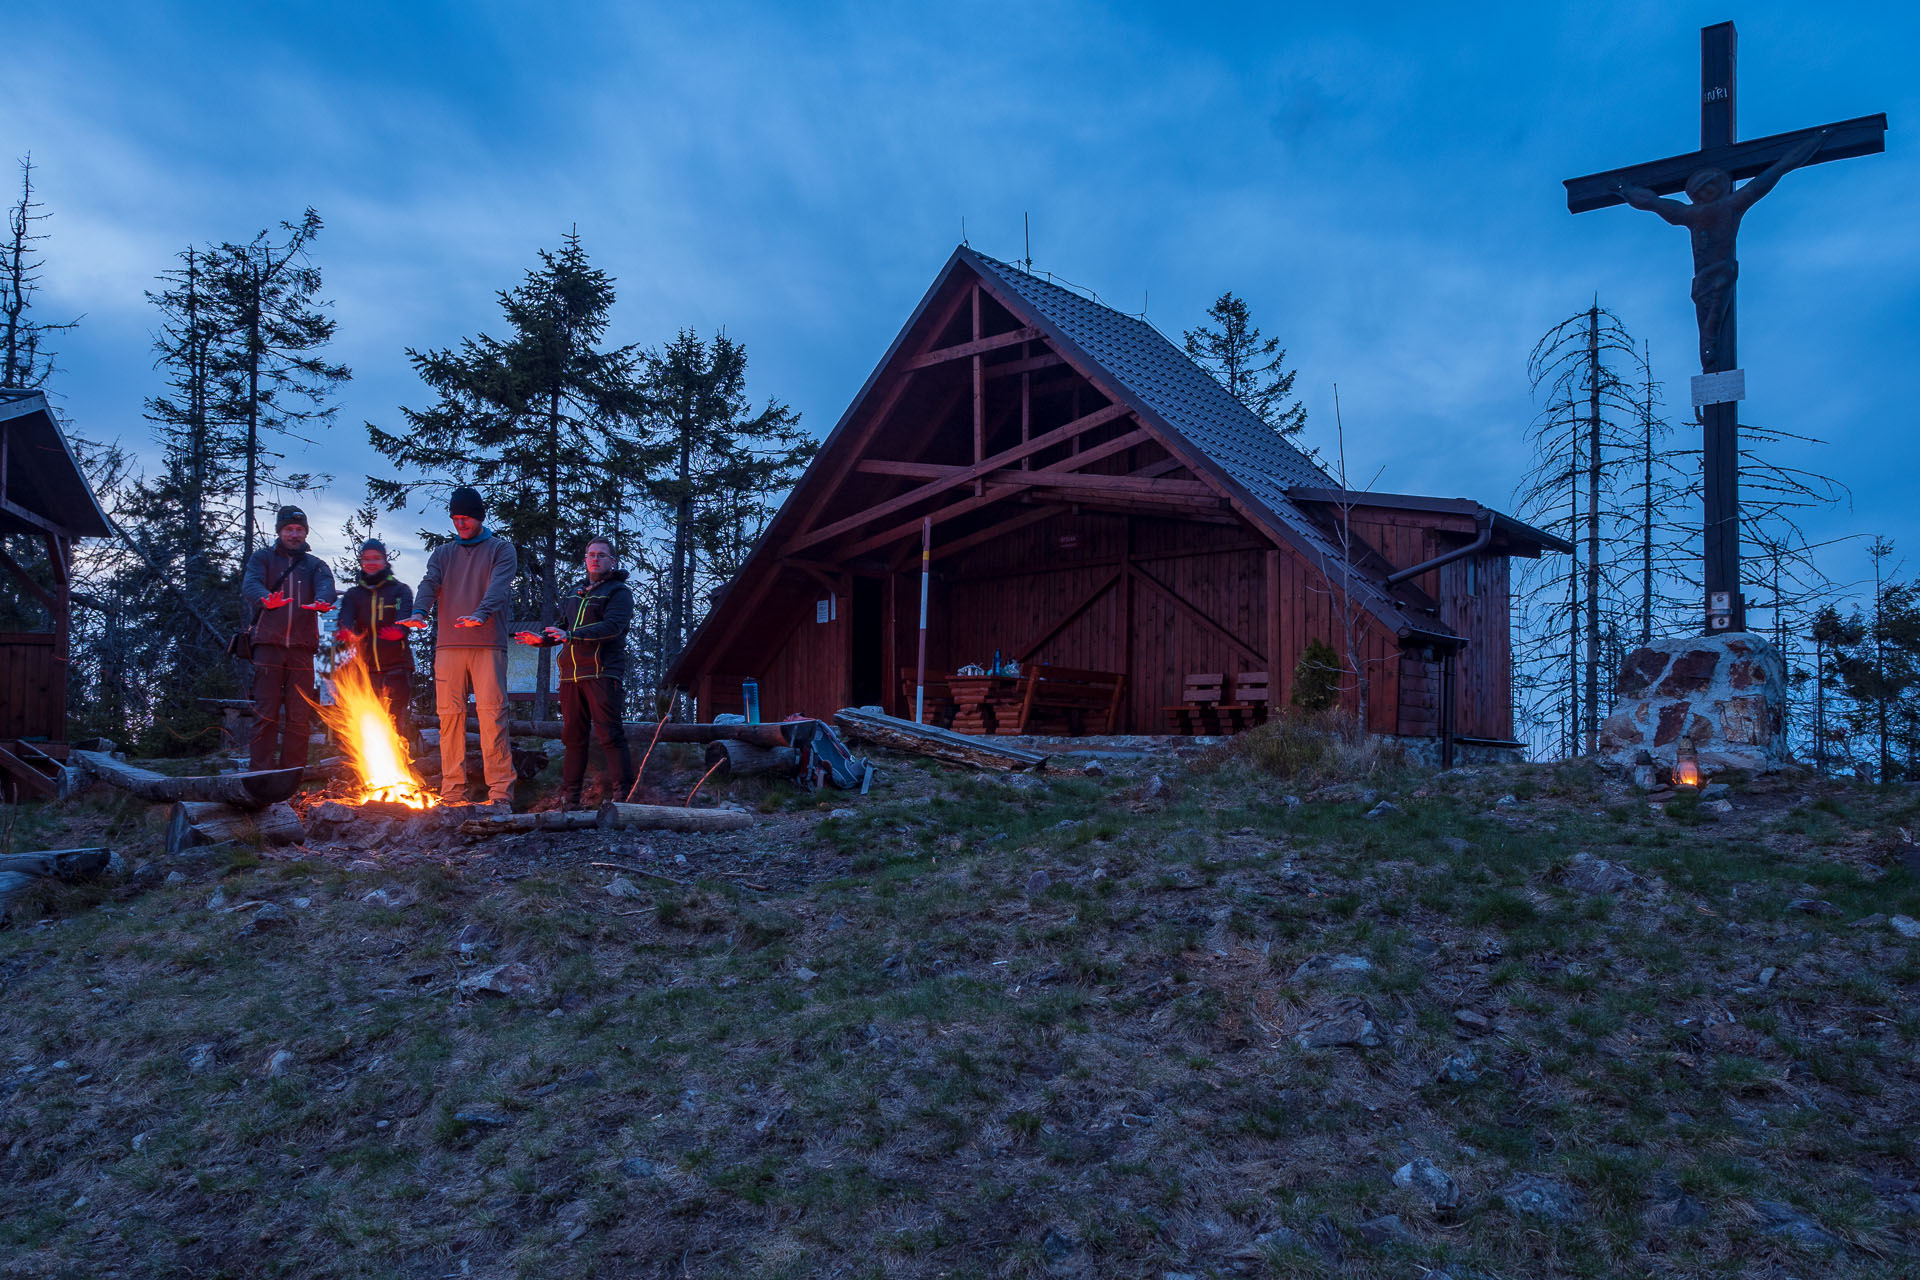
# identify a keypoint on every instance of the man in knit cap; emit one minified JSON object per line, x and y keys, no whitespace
{"x":286,"y":588}
{"x":370,"y":614}
{"x":592,"y":664}
{"x":467,"y":587}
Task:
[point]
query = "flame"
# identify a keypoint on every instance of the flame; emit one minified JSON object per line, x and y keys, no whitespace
{"x":378,"y":754}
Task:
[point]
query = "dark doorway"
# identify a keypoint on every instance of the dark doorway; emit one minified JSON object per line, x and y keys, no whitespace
{"x":869,"y":642}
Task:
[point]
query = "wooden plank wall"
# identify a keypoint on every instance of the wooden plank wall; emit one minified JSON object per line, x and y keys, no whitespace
{"x":33,"y":691}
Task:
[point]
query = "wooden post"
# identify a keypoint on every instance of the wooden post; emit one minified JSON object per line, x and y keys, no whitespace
{"x":926,"y":570}
{"x":979,"y":397}
{"x":1279,"y":674}
{"x":1126,"y":616}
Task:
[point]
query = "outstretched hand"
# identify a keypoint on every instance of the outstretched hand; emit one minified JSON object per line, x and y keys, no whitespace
{"x":416,"y":622}
{"x":556,"y":634}
{"x":525,"y":637}
{"x":468,"y":621}
{"x":392,"y":631}
{"x":318,"y":606}
{"x":277,"y":600}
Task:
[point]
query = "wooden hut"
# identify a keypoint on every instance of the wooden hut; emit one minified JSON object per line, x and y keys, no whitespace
{"x":1089,"y":498}
{"x":45,"y":498}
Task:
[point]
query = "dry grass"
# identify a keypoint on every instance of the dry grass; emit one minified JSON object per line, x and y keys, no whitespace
{"x":1312,"y":749}
{"x":982,"y":1077}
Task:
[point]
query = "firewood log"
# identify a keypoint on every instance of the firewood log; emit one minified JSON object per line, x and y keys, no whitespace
{"x":197,"y":822}
{"x":254,"y":790}
{"x":615,"y":816}
{"x":18,"y":871}
{"x":743,"y":759}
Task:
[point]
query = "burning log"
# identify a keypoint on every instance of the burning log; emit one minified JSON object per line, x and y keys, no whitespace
{"x":241,"y":790}
{"x":615,"y":816}
{"x":198,"y":822}
{"x":741,"y":759}
{"x":20,"y":870}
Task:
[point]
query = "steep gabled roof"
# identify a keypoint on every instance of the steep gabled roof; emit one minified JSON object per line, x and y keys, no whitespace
{"x":1133,"y":364}
{"x":46,"y":491}
{"x":1222,"y":438}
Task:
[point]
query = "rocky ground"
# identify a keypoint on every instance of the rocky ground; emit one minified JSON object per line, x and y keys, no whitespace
{"x":1232,"y":1016}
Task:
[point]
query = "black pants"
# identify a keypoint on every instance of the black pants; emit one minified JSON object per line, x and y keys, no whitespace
{"x":281,"y":713}
{"x":594,"y":703}
{"x":396,"y":691}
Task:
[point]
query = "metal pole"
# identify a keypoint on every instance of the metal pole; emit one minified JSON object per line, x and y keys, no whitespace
{"x":926,"y":569}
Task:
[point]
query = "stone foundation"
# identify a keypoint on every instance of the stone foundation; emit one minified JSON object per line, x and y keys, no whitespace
{"x":1727,"y":693}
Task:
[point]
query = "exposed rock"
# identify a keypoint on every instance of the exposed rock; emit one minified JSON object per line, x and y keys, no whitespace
{"x":1813,"y":907}
{"x":1507,"y":801}
{"x":471,"y":939}
{"x":1332,"y":966}
{"x":805,"y":974}
{"x":1542,"y":1198}
{"x":843,"y":813}
{"x":1092,"y":768}
{"x":279,"y":1062}
{"x":1383,"y":809}
{"x":1675,"y":1210}
{"x":513,"y":979}
{"x":1280,"y":1238}
{"x":200,"y":1059}
{"x":1784,"y":1220}
{"x":640,"y":1167}
{"x":1458,"y":846}
{"x":486,"y":1116}
{"x":622,"y":887}
{"x":1350,"y":1028}
{"x":1038,"y":883}
{"x":361,"y":864}
{"x":391,"y":896}
{"x":174,"y":880}
{"x":1905,"y":926}
{"x":1589,"y":874}
{"x":1473,"y":1020}
{"x":270,"y":914}
{"x":1430,"y":1181}
{"x":1461,"y":1068}
{"x":1384,"y":1230}
{"x":218,"y":900}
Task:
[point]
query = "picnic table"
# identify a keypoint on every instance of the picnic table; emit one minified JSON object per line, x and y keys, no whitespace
{"x":985,"y":704}
{"x":1042,"y":699}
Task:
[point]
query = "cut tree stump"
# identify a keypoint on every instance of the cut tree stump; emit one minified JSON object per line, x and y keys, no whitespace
{"x":198,"y":822}
{"x":743,"y":759}
{"x":553,"y":820}
{"x":927,"y":740}
{"x":255,"y":790}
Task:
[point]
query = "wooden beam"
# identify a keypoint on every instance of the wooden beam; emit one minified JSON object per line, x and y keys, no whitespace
{"x":1116,"y":445}
{"x":33,"y":518}
{"x":977,"y":347}
{"x":1279,"y":682}
{"x":1086,"y":602}
{"x":1071,"y":480}
{"x":992,"y":531}
{"x":1196,"y":615}
{"x":1006,"y":457}
{"x":1027,"y":365}
{"x":979,"y":395}
{"x":1861,"y":136}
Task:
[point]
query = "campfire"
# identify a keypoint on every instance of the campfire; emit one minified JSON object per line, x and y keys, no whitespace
{"x":367,"y":738}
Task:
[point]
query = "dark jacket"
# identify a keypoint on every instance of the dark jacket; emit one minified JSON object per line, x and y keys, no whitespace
{"x":596,"y":617}
{"x":469,"y":579}
{"x":370,"y":605}
{"x":304,"y":579}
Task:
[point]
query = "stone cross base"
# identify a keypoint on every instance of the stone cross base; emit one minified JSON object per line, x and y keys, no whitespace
{"x":1727,"y":693}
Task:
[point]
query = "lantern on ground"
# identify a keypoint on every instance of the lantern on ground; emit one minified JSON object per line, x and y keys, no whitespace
{"x":1686,"y":767}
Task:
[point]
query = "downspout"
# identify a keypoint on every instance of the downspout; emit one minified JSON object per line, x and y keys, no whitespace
{"x":1481,"y":541}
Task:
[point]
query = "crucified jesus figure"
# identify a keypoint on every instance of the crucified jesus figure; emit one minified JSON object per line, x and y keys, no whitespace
{"x":1713,"y":220}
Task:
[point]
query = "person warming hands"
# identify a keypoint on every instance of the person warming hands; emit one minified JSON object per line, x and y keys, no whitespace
{"x":284,"y":639}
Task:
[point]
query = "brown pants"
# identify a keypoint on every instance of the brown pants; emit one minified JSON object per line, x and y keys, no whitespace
{"x":455,"y":668}
{"x":282,"y":716}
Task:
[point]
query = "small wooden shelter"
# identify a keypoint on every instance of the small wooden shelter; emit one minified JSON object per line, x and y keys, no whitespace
{"x":1088,"y":497}
{"x":45,"y":496}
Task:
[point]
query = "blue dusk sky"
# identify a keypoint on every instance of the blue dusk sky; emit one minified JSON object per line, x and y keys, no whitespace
{"x":1381,"y":182}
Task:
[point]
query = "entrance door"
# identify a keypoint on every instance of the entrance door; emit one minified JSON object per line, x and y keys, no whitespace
{"x":868,"y":639}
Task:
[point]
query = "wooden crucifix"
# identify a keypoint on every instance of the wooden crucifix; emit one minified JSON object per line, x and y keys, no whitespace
{"x":1712,"y":218}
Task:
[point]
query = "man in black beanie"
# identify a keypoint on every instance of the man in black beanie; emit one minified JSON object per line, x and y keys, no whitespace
{"x":468,"y":587}
{"x":286,"y":589}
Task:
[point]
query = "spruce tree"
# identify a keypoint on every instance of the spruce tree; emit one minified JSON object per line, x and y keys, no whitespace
{"x":1249,"y":367}
{"x":543,"y":421}
{"x":24,"y":359}
{"x":726,"y":466}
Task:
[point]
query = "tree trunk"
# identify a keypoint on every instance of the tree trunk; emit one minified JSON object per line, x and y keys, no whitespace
{"x":241,"y":790}
{"x":928,"y":740}
{"x":615,"y":816}
{"x":198,"y":822}
{"x":1591,"y":718}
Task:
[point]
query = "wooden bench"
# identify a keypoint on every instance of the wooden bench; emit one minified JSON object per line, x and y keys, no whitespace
{"x":1200,"y":699}
{"x":1251,"y":695}
{"x":1067,"y":701}
{"x":939,"y":700}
